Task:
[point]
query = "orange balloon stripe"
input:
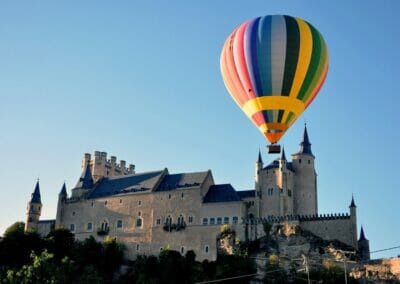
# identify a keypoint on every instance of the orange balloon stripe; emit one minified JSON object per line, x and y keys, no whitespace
{"x":315,"y":92}
{"x":229,"y":83}
{"x":240,"y":60}
{"x":241,"y":95}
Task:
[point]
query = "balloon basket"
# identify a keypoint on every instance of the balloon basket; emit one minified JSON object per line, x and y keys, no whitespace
{"x":274,"y":149}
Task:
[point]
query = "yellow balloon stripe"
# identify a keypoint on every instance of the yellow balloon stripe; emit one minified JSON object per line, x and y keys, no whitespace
{"x":276,"y":126}
{"x":306,"y":45}
{"x":271,"y":103}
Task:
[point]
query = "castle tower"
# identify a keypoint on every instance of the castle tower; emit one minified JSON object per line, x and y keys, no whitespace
{"x":33,"y":209}
{"x":85,"y":183}
{"x":285,"y":184}
{"x":363,"y":246}
{"x":62,"y":197}
{"x":353,"y":219}
{"x":257,"y":186}
{"x":305,"y":182}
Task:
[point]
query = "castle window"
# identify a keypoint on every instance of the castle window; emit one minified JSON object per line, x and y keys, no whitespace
{"x":120,"y":201}
{"x":73,"y":213}
{"x":139,"y":213}
{"x":72,"y":228}
{"x":104,"y":226}
{"x":289,"y":192}
{"x":182,"y":195}
{"x":309,"y":161}
{"x":212,"y":221}
{"x":226,"y":220}
{"x":158,"y":221}
{"x":190,"y":219}
{"x":92,"y":204}
{"x":139,"y":222}
{"x":180,"y":219}
{"x":119,"y":224}
{"x":206,"y":249}
{"x":219,"y":220}
{"x":182,"y":250}
{"x":139,"y":202}
{"x":105,"y":202}
{"x":30,"y":219}
{"x":205,"y":221}
{"x":168,"y":220}
{"x":89,"y":227}
{"x":137,"y":247}
{"x":270,"y":191}
{"x":169,"y":196}
{"x":235,"y":220}
{"x":299,"y":161}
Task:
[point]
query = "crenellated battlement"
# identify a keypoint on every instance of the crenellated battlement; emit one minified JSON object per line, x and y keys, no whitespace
{"x":101,"y":166}
{"x":300,"y":218}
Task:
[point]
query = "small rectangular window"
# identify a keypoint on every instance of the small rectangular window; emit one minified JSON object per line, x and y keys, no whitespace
{"x":139,"y":222}
{"x":205,"y":221}
{"x":140,"y":202}
{"x":226,"y":220}
{"x":89,"y":227}
{"x":219,"y":220}
{"x":72,"y":227}
{"x":206,"y":249}
{"x":119,"y":224}
{"x":235,"y":220}
{"x":212,"y":221}
{"x":158,"y":221}
{"x":190,"y":219}
{"x":137,"y":247}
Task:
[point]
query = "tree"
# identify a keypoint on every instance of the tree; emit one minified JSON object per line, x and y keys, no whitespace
{"x":61,"y":242}
{"x":274,"y":273}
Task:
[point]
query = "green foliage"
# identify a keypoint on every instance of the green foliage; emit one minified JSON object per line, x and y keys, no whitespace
{"x":16,"y":246}
{"x":61,"y":243}
{"x":274,"y":272}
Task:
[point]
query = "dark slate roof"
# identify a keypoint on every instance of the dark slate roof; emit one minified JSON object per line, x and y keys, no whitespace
{"x":183,"y":180}
{"x":108,"y":186}
{"x":283,"y":156}
{"x":35,"y":197}
{"x":275,"y":165}
{"x":352,"y":204}
{"x":246,"y":193}
{"x":362,"y":235}
{"x":63,"y":190}
{"x":305,"y":145}
{"x":52,"y":221}
{"x":221,"y":193}
{"x":259,"y":160}
{"x":86,"y":179}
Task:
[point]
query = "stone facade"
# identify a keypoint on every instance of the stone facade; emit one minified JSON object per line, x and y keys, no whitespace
{"x":155,"y":210}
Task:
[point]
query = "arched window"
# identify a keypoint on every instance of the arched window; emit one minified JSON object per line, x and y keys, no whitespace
{"x":180,"y":220}
{"x":104,"y":226}
{"x":168,"y":221}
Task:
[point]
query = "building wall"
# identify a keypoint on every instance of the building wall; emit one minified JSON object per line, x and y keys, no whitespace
{"x":305,"y":192}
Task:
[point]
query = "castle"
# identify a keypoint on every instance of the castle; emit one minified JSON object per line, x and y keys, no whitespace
{"x":154,"y":210}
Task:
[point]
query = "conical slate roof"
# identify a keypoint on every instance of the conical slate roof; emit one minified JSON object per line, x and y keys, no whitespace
{"x":259,"y":160}
{"x":283,"y":156}
{"x":63,"y":190}
{"x":86,"y":179}
{"x":362,"y":235}
{"x":35,"y":198}
{"x":352,"y":204}
{"x":305,"y":145}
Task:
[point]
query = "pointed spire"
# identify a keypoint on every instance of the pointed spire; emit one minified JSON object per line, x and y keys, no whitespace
{"x":352,"y":204}
{"x":63,"y":189}
{"x":86,"y":179}
{"x":259,"y":160}
{"x":305,"y":145}
{"x":362,"y":235}
{"x":35,"y":198}
{"x":283,"y":156}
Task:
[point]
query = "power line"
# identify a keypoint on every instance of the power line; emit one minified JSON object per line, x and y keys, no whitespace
{"x":384,"y":249}
{"x":226,"y":279}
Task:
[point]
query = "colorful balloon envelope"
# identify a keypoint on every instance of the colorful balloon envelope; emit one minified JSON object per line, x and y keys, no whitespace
{"x":273,"y":67}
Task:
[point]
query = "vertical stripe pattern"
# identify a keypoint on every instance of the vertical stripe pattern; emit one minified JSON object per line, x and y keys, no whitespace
{"x":270,"y":57}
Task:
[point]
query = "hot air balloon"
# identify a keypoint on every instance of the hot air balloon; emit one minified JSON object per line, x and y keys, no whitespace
{"x":273,"y":67}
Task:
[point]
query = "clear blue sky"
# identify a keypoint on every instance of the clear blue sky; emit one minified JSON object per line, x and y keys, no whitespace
{"x":141,"y":80}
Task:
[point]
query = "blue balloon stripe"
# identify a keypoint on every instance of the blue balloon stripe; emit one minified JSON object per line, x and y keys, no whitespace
{"x":250,"y":50}
{"x":264,"y":55}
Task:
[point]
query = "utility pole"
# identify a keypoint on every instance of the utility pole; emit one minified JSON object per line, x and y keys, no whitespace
{"x":305,"y":263}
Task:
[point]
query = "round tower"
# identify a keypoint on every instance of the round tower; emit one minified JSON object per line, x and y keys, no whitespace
{"x":33,"y":209}
{"x":305,"y":181}
{"x":257,"y":183}
{"x":363,"y":247}
{"x":353,"y":220}
{"x":62,"y":197}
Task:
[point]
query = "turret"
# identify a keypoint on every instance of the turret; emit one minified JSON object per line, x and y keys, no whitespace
{"x":257,"y":184}
{"x":84,"y":184}
{"x":353,"y":219}
{"x":34,"y":209}
{"x":305,"y":191}
{"x":363,"y":246}
{"x":62,"y":197}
